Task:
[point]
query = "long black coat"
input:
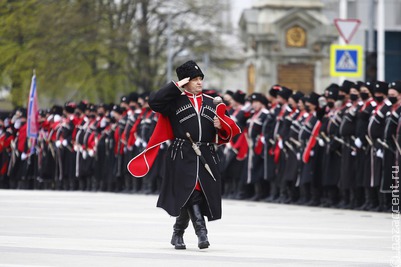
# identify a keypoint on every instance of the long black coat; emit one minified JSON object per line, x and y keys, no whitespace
{"x":183,"y":166}
{"x":254,"y":162}
{"x":348,"y":158}
{"x":390,"y":153}
{"x":376,"y":128}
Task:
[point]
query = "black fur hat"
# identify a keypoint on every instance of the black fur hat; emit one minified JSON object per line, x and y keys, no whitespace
{"x":70,"y":106}
{"x":346,"y":86}
{"x":124,"y":99}
{"x":332,"y":91}
{"x":211,"y":92}
{"x":22,"y":112}
{"x":239,"y":97}
{"x":313,"y":99}
{"x":229,"y":92}
{"x":274,"y":90}
{"x":285,"y":92}
{"x":381,"y":87}
{"x":133,"y":97}
{"x":57,"y":110}
{"x":396,"y":85}
{"x":117,"y":109}
{"x":297,"y":96}
{"x":82,"y":106}
{"x":259,"y":97}
{"x":144,"y":96}
{"x":189,"y":69}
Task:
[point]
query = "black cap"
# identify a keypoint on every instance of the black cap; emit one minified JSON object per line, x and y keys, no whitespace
{"x":381,"y":87}
{"x":360,"y":84}
{"x":332,"y":92}
{"x":22,"y":112}
{"x":189,"y":69}
{"x":396,"y":85}
{"x":239,"y":97}
{"x":274,"y":90}
{"x":144,"y":96}
{"x":297,"y":96}
{"x":313,"y":98}
{"x":259,"y":97}
{"x":124,"y":99}
{"x":92,"y":108}
{"x":118,"y":109}
{"x":229,"y":92}
{"x":83,"y":105}
{"x":42,"y":112}
{"x":70,"y":106}
{"x":57,"y":110}
{"x":346,"y":86}
{"x":371,"y":87}
{"x":285,"y":92}
{"x":132,"y":97}
{"x":211,"y":92}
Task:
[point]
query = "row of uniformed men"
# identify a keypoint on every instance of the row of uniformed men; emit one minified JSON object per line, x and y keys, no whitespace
{"x":339,"y":149}
{"x":79,"y":146}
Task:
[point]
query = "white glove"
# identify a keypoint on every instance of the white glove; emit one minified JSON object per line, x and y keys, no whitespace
{"x":65,"y":143}
{"x":84,"y":154}
{"x":130,"y":148}
{"x":321,"y":142}
{"x":138,"y":142}
{"x":358,"y":143}
{"x":353,"y":153}
{"x":263,"y":139}
{"x":312,"y":153}
{"x":144,"y":144}
{"x":91,"y":153}
{"x":58,"y":143}
{"x":379,"y":153}
{"x":24,"y":156}
{"x":280,"y":144}
{"x":298,"y":156}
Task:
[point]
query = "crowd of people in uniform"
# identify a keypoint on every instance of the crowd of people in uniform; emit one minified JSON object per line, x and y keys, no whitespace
{"x":339,"y":149}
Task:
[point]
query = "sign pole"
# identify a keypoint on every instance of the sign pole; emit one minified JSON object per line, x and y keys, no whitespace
{"x":341,"y":41}
{"x":380,"y":41}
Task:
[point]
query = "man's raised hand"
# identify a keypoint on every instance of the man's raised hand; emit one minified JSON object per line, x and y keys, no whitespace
{"x":183,"y":82}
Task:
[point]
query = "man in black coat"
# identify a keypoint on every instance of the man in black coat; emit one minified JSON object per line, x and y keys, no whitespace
{"x":376,"y":127}
{"x":189,"y":190}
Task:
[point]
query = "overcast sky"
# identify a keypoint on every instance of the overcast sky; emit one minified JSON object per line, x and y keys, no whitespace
{"x":238,"y":6}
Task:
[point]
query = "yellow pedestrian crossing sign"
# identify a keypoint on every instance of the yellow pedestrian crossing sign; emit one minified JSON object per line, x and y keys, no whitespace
{"x":346,"y":60}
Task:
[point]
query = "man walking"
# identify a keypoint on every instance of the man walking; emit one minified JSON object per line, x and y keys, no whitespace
{"x":191,"y":188}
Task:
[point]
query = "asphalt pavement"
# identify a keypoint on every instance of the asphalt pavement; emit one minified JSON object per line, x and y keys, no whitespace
{"x":56,"y":228}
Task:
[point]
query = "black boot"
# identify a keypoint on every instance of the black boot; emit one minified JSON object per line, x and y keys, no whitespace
{"x":199,"y":225}
{"x":181,"y":223}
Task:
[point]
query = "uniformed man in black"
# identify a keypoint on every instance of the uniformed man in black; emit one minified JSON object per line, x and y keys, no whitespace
{"x":332,"y":153}
{"x":281,"y":132}
{"x":361,"y":143}
{"x":348,"y":150}
{"x":254,"y":171}
{"x":190,"y":190}
{"x":290,"y":141}
{"x":376,"y":128}
{"x":390,"y":146}
{"x":234,"y":159}
{"x":308,"y":179}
